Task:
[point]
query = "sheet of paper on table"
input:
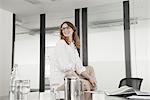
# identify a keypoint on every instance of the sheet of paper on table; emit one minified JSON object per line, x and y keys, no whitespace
{"x":139,"y":97}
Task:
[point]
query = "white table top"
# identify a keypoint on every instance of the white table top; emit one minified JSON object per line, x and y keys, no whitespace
{"x":48,"y":96}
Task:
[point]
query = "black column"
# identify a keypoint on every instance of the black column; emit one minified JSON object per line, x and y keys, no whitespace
{"x":13,"y":39}
{"x":42,"y":53}
{"x":77,"y":23}
{"x":77,"y":20}
{"x":127,"y":38}
{"x":84,"y":37}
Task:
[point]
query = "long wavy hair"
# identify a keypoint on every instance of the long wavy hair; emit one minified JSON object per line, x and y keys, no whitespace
{"x":75,"y":36}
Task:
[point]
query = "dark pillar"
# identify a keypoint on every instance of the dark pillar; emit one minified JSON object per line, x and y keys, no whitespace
{"x":42,"y":53}
{"x":84,"y":37}
{"x":77,"y":23}
{"x":13,"y":39}
{"x":127,"y":38}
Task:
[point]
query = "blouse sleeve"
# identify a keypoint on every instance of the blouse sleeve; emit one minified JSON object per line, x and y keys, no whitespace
{"x":62,"y":61}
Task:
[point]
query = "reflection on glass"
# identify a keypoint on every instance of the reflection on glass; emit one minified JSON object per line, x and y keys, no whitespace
{"x":106,"y":44}
{"x":27,"y":48}
{"x":22,"y":89}
{"x":140,"y":36}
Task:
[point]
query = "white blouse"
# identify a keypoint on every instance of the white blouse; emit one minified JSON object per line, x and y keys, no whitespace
{"x":66,"y":58}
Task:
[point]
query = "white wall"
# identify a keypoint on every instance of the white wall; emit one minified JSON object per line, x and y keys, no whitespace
{"x":5,"y":50}
{"x":106,"y":44}
{"x":140,"y":41}
{"x":27,"y":56}
{"x":106,"y":55}
{"x":140,"y":52}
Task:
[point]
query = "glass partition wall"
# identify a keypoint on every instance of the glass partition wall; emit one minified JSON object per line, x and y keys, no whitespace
{"x":27,"y":49}
{"x":27,"y":46}
{"x":106,"y":44}
{"x":140,"y":40}
{"x":106,"y":51}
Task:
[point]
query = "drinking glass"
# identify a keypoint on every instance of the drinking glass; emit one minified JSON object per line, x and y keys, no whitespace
{"x":22,"y":89}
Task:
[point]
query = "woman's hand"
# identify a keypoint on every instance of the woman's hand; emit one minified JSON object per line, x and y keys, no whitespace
{"x":92,"y":81}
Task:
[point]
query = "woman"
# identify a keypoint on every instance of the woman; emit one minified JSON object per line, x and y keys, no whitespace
{"x":67,"y":58}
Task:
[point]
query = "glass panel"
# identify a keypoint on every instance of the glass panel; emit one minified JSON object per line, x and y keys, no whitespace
{"x":106,"y":44}
{"x":140,"y":40}
{"x":53,"y":22}
{"x":27,"y":49}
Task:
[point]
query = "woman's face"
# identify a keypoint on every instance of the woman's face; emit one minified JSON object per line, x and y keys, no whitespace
{"x":66,"y":30}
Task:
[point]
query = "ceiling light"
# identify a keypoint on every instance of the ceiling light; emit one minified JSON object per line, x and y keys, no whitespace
{"x":33,"y":1}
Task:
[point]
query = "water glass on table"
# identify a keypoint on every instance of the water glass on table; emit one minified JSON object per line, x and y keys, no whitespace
{"x":22,"y":89}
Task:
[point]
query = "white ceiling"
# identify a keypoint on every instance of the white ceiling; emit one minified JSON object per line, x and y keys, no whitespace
{"x":25,"y":8}
{"x":99,"y":11}
{"x":57,"y":11}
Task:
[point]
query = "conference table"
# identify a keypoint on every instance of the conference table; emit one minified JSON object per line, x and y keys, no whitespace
{"x":46,"y":96}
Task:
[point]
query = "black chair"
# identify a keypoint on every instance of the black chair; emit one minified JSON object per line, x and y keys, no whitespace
{"x":132,"y":82}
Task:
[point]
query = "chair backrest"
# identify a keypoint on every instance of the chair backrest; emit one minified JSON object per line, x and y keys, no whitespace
{"x":132,"y":82}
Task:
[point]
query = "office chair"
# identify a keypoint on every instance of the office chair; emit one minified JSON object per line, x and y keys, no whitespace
{"x":132,"y":82}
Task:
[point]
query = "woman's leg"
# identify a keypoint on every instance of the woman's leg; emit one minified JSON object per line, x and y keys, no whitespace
{"x":86,"y":84}
{"x":86,"y":87}
{"x":87,"y":96}
{"x":90,"y":71}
